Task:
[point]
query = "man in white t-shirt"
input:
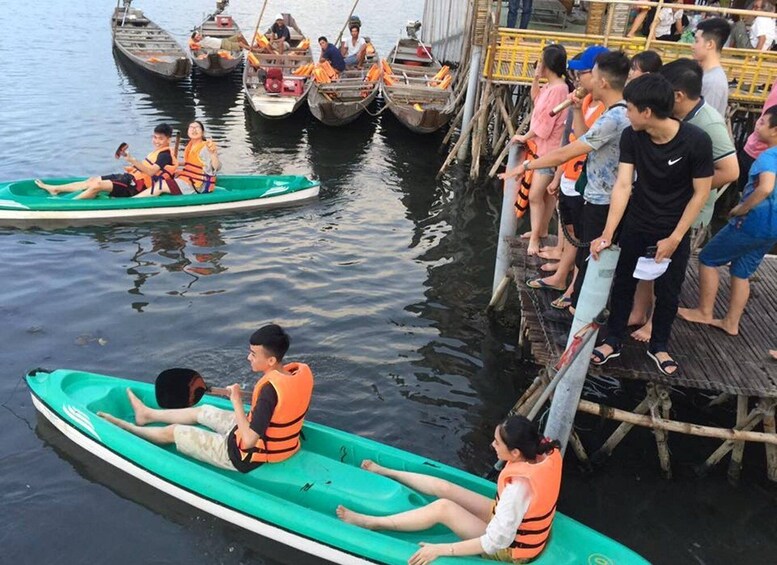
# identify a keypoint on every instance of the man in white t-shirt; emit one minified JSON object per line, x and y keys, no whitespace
{"x":354,"y":49}
{"x":711,"y":35}
{"x":762,"y":30}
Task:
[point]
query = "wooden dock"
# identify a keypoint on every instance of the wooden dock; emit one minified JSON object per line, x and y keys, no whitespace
{"x":710,"y":360}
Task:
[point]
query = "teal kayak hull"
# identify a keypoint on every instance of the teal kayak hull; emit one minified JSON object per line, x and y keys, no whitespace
{"x":21,"y":201}
{"x":292,"y":502}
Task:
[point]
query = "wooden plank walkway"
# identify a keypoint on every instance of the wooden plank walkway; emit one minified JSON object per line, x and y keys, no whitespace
{"x":710,"y":359}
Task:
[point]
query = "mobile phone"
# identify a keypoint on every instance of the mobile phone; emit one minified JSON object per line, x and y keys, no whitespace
{"x":651,"y":251}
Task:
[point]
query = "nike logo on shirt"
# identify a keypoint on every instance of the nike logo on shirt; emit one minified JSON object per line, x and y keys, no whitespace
{"x":673,"y":161}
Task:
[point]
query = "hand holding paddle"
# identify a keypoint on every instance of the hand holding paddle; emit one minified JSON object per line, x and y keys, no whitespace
{"x":122,"y":150}
{"x":183,"y":388}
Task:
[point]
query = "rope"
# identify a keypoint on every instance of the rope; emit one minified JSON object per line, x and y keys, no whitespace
{"x":568,"y":236}
{"x":376,"y":114}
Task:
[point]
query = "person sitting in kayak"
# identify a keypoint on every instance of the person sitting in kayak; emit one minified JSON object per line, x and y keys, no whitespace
{"x":154,"y":172}
{"x":270,"y":433}
{"x":332,"y":54}
{"x":198,"y":42}
{"x":200,"y":162}
{"x":513,"y":528}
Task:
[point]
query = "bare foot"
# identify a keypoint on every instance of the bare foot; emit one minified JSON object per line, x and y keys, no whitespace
{"x":142,"y":416}
{"x":548,"y":267}
{"x":351,"y":517}
{"x":533,"y":247}
{"x":726,"y":326}
{"x":694,"y":315}
{"x":773,"y":353}
{"x":114,"y":420}
{"x":526,"y":235}
{"x":637,"y":319}
{"x":50,"y":188}
{"x":643,"y":333}
{"x":550,"y":253}
{"x":372,"y":467}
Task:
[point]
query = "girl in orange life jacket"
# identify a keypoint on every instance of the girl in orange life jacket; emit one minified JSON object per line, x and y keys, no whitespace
{"x":159,"y":164}
{"x":200,"y":162}
{"x":513,"y":528}
{"x":238,"y":442}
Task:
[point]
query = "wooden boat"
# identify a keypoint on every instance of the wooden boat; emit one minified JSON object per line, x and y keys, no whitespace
{"x":147,"y":45}
{"x":343,"y":100}
{"x":217,"y":62}
{"x":292,"y":502}
{"x":22,"y":203}
{"x":291,"y":90}
{"x":410,"y":91}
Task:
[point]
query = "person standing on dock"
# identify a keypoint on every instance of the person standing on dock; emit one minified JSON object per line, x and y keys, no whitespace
{"x":600,"y":143}
{"x":674,"y":168}
{"x":525,"y":9}
{"x":711,"y":36}
{"x":744,"y":241}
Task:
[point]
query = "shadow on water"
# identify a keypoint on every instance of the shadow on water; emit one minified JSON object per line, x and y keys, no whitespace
{"x":272,"y":142}
{"x":337,"y":153}
{"x":217,"y":97}
{"x":252,"y":547}
{"x":170,"y":100}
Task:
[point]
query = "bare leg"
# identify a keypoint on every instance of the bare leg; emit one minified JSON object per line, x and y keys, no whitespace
{"x":69,"y":187}
{"x":740,"y":292}
{"x":708,"y":290}
{"x":472,"y":502}
{"x":565,"y":266}
{"x":643,"y":304}
{"x":94,"y":186}
{"x":145,"y":415}
{"x":160,"y":436}
{"x":537,"y":211}
{"x":773,"y":353}
{"x":442,"y":511}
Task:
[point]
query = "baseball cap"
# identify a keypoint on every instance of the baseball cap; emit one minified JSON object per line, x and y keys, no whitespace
{"x":587,"y":58}
{"x":278,"y":17}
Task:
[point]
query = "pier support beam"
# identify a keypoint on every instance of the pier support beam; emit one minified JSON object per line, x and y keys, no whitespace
{"x":508,"y":222}
{"x":470,"y":99}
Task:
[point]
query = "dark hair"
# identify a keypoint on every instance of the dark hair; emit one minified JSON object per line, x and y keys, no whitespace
{"x":651,"y":91}
{"x":322,"y":38}
{"x":646,"y":61}
{"x":354,"y":27}
{"x":518,"y":432}
{"x":164,"y":129}
{"x":716,"y":29}
{"x":273,"y":338}
{"x":684,"y":75}
{"x":194,"y":33}
{"x":614,"y":65}
{"x":202,"y":127}
{"x":771,"y":113}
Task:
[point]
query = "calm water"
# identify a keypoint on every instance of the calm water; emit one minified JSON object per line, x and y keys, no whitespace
{"x":382,"y":284}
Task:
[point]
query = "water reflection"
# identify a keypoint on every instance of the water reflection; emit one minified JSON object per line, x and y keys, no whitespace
{"x":217,"y":98}
{"x":336,"y":154}
{"x":273,"y":142}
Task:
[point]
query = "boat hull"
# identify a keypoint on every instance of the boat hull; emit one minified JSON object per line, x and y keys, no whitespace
{"x":292,"y":502}
{"x":334,"y":113}
{"x":23,"y":204}
{"x":214,"y":64}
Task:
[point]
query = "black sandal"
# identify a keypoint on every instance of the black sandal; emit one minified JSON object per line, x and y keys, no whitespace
{"x":664,"y":365}
{"x":601,"y":358}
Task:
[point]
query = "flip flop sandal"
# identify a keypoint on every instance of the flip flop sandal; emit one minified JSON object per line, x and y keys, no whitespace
{"x":664,"y":365}
{"x":561,"y":303}
{"x":539,"y":284}
{"x":601,"y":358}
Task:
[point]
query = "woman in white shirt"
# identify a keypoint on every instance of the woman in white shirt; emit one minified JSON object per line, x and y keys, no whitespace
{"x":527,"y":491}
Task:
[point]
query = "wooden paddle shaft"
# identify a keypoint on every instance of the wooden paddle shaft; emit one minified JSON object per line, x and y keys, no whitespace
{"x":258,"y":21}
{"x":224,"y":391}
{"x":348,"y":19}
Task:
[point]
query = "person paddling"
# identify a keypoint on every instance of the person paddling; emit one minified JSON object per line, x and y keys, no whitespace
{"x":527,"y":491}
{"x":154,"y":172}
{"x":269,"y":434}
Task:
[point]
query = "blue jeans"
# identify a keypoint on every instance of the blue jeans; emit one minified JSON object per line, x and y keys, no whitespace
{"x":512,"y":13}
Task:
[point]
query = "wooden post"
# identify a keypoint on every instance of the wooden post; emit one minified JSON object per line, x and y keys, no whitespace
{"x":771,"y":450}
{"x":577,"y":447}
{"x":620,"y":432}
{"x":462,"y":138}
{"x":661,"y":435}
{"x":751,"y":422}
{"x":735,"y":465}
{"x":652,"y":35}
{"x":608,"y":27}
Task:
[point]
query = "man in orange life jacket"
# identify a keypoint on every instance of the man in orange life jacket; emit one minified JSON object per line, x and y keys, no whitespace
{"x":270,"y":433}
{"x":153,"y":172}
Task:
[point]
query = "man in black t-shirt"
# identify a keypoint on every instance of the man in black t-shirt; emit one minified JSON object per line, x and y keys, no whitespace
{"x":674,"y":168}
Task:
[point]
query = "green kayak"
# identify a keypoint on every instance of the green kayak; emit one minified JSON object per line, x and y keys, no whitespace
{"x":292,"y":502}
{"x":21,"y":202}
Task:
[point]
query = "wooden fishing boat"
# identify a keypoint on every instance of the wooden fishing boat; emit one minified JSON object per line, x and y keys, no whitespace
{"x":292,"y":502}
{"x":147,"y":45}
{"x":341,"y":101}
{"x":273,"y":91}
{"x":22,"y":203}
{"x":411,"y":92}
{"x":217,"y":62}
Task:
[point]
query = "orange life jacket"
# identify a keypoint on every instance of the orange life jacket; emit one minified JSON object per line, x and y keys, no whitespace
{"x":544,"y":477}
{"x":574,"y":167}
{"x":283,"y":433}
{"x":193,"y":170}
{"x":524,"y":183}
{"x":165,"y":174}
{"x":193,"y":45}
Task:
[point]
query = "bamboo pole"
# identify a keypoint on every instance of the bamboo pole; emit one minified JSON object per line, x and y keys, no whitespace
{"x":451,"y":129}
{"x":608,"y":26}
{"x":652,"y":34}
{"x":735,"y":465}
{"x":459,"y":142}
{"x":579,"y":449}
{"x":491,"y":34}
{"x":771,"y":450}
{"x":348,"y":19}
{"x":258,"y":21}
{"x":752,"y":421}
{"x":687,"y":428}
{"x":690,"y":8}
{"x":662,"y":438}
{"x":497,"y":300}
{"x":620,"y":432}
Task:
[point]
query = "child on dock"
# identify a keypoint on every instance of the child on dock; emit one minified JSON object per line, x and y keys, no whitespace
{"x":749,"y":235}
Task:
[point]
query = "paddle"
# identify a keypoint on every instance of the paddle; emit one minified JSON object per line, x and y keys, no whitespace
{"x":122,"y":150}
{"x":348,"y":19}
{"x":182,"y":388}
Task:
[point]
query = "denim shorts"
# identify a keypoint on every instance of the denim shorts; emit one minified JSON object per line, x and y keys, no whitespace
{"x":351,"y":60}
{"x":732,"y":245}
{"x":547,"y":171}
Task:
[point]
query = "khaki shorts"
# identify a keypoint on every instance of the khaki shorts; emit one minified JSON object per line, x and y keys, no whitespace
{"x":504,"y":556}
{"x":230,"y":43}
{"x":204,"y":445}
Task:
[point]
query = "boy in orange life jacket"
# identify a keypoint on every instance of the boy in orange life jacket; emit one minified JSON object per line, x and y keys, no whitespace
{"x":155,"y":170}
{"x":268,"y":434}
{"x":527,"y":491}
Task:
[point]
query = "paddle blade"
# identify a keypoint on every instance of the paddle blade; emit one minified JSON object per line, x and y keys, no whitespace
{"x":179,"y":388}
{"x":122,"y":150}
